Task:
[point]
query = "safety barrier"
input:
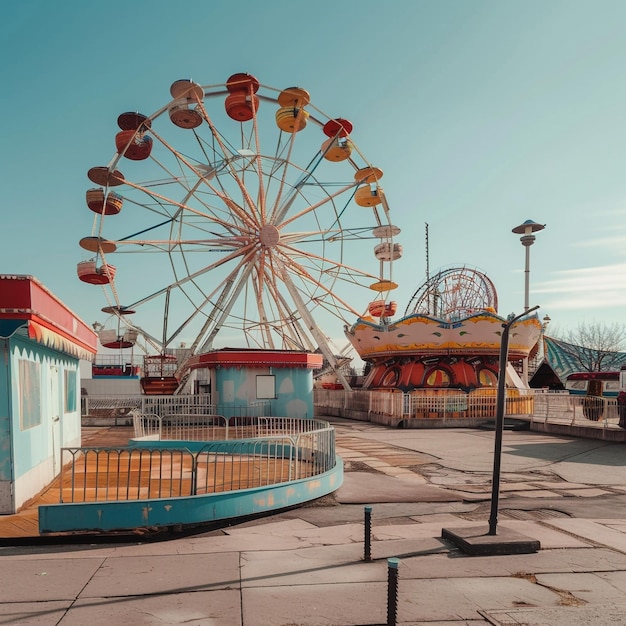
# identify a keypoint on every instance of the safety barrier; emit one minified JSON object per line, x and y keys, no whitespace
{"x":171,"y":469}
{"x":449,"y":404}
{"x":209,"y":427}
{"x":115,"y":406}
{"x":576,"y":410}
{"x":423,"y":403}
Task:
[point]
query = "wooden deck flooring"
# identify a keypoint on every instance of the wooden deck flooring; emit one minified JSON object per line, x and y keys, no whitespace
{"x":25,"y":523}
{"x":106,"y":475}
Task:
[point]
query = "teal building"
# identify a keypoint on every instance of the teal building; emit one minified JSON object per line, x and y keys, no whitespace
{"x":41,"y":345}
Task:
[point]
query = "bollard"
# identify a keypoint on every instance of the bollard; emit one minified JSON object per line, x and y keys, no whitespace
{"x":392,"y":591}
{"x":368,"y":534}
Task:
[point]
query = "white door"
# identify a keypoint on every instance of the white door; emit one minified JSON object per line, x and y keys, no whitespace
{"x":55,"y":416}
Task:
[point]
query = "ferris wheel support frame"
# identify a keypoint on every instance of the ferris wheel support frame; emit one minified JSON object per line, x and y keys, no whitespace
{"x":313,"y":329}
{"x":208,"y":343}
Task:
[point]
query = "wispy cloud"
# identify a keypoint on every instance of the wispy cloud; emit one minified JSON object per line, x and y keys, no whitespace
{"x":585,"y":288}
{"x":613,"y":240}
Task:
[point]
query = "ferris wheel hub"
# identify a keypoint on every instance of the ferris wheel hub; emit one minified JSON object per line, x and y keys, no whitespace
{"x":269,"y":235}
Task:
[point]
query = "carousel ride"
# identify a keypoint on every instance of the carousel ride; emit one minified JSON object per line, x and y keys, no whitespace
{"x":240,"y":215}
{"x":448,"y":337}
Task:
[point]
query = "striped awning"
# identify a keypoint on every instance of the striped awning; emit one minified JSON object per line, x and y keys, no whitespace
{"x":51,"y":339}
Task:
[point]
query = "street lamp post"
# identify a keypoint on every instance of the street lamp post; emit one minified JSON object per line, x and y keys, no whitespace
{"x":527,"y":230}
{"x":500,"y":402}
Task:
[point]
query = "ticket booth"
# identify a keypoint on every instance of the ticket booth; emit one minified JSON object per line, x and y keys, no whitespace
{"x":271,"y":382}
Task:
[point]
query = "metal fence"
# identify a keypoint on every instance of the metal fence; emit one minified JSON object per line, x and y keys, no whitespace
{"x":424,"y":403}
{"x":450,"y":404}
{"x":572,"y":409}
{"x":119,"y":406}
{"x":210,"y":427}
{"x":134,"y":473}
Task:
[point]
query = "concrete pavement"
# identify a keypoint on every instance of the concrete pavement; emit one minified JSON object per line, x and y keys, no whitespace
{"x":305,"y":566}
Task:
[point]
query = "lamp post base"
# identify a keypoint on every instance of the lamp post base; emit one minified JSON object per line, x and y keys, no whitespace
{"x":476,"y":541}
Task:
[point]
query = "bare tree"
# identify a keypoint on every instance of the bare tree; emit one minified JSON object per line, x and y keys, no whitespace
{"x":597,"y":346}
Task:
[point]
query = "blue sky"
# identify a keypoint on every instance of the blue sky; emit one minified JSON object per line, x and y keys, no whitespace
{"x":482,"y":114}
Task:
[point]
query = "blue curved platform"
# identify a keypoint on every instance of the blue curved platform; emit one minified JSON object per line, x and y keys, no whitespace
{"x":163,"y":512}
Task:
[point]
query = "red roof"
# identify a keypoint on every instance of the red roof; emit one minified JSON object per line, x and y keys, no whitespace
{"x":233,"y":357}
{"x":49,"y":321}
{"x":594,"y":376}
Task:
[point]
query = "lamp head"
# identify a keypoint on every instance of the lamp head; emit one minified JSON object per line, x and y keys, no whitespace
{"x":528,"y":227}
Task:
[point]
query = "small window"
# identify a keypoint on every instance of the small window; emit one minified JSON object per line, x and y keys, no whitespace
{"x":70,"y":391}
{"x":580,"y":385}
{"x":265,"y":387}
{"x":30,"y":394}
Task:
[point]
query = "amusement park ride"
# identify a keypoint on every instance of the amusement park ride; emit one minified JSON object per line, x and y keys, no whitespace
{"x":449,"y":336}
{"x":244,"y":211}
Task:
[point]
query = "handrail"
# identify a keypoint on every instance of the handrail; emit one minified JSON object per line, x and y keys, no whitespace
{"x":478,"y":404}
{"x":168,"y":469}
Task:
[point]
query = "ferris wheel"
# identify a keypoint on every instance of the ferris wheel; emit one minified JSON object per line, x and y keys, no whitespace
{"x":454,"y":293}
{"x":241,"y":214}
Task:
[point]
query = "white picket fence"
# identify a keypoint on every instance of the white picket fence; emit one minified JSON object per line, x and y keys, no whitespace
{"x":448,"y":404}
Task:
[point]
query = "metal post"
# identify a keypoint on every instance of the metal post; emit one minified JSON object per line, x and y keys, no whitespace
{"x":527,"y":230}
{"x":392,"y":591}
{"x":527,"y":242}
{"x":368,"y":534}
{"x":500,"y":402}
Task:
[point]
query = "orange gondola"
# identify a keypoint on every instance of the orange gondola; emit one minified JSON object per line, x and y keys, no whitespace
{"x":294,"y":97}
{"x":241,"y":103}
{"x":337,"y":149}
{"x":367,"y":196}
{"x":185,"y":93}
{"x":380,"y":308}
{"x":93,"y":274}
{"x":133,"y":145}
{"x":98,"y":203}
{"x":368,"y":175}
{"x":241,"y":106}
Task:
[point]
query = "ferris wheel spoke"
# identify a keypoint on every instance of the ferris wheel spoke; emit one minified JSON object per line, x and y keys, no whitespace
{"x":313,"y":207}
{"x":290,"y":327}
{"x":279,"y":210}
{"x":208,"y":211}
{"x":227,"y":307}
{"x":330,"y":267}
{"x":259,"y":166}
{"x":258,"y":285}
{"x":233,"y":171}
{"x":300,"y":271}
{"x":227,"y":285}
{"x":243,"y":253}
{"x":204,"y":179}
{"x":312,"y":326}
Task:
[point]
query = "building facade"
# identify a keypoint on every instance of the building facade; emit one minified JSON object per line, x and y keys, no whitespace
{"x":41,"y":345}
